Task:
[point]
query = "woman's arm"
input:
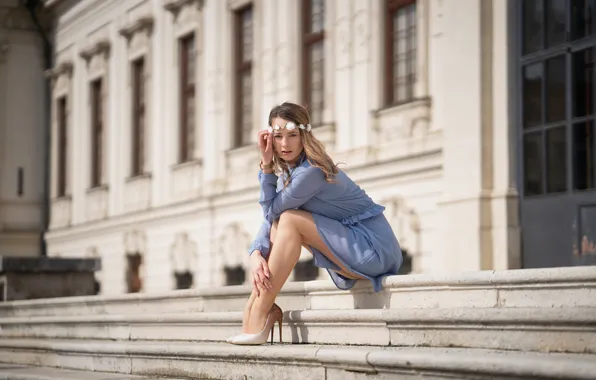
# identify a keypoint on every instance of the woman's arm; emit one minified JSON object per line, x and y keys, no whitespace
{"x":262,"y":242}
{"x":306,"y":183}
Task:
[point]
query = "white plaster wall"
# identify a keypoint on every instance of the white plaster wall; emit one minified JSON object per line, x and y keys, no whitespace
{"x":397,"y":155}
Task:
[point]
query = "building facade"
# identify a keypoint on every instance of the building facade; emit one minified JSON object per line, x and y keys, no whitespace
{"x":432,"y":106}
{"x":23,"y":132}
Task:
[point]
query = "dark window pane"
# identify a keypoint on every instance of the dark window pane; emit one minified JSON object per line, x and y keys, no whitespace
{"x":62,"y":146}
{"x":556,"y":22}
{"x":555,"y":89}
{"x":533,"y":16}
{"x":533,"y":163}
{"x":246,"y":108}
{"x":190,"y":127}
{"x":247,"y":35}
{"x":190,"y":57}
{"x":582,"y":18}
{"x":97,"y":133}
{"x":317,"y":10}
{"x":403,"y":54}
{"x":556,"y":169}
{"x":583,"y":83}
{"x":584,"y":156}
{"x":532,"y":95}
{"x":316,"y":96}
{"x":235,"y":275}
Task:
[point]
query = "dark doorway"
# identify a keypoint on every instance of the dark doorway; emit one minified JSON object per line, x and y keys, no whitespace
{"x":556,"y":132}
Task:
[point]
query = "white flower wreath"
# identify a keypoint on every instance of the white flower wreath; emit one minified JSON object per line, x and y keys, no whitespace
{"x":290,"y":126}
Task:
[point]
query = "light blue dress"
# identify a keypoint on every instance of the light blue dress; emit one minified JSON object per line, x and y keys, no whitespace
{"x":350,"y":223}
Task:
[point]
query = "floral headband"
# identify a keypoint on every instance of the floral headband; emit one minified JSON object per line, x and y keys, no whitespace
{"x":290,"y":126}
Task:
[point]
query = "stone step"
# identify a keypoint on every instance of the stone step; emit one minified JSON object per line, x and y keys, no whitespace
{"x":280,"y":361}
{"x":526,"y":329}
{"x":551,"y":287}
{"x":27,"y":372}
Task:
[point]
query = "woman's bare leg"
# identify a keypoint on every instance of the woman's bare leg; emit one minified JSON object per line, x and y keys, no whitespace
{"x":295,"y":228}
{"x":253,"y":296}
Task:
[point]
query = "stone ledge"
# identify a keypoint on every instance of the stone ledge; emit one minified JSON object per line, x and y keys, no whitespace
{"x":556,"y":287}
{"x":21,"y":372}
{"x":224,"y":361}
{"x":525,"y":329}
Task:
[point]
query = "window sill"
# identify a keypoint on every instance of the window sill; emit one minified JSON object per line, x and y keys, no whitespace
{"x":397,"y":107}
{"x":62,"y":198}
{"x":138,"y":177}
{"x":189,"y":163}
{"x":97,"y":189}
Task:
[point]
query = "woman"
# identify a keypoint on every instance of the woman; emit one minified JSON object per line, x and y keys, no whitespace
{"x":315,"y":205}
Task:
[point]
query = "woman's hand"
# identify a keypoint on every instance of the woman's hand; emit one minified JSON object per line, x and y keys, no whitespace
{"x":265,"y":143}
{"x":260,"y":272}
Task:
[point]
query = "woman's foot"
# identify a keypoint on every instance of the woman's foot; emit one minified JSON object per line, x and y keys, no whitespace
{"x":275,"y":309}
{"x":275,"y":314}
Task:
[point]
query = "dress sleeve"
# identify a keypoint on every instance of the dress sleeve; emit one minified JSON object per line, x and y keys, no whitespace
{"x":306,"y":182}
{"x":262,"y":241}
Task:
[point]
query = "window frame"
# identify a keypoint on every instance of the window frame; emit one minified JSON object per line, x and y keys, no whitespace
{"x":139,"y":112}
{"x":97,"y":131}
{"x":310,"y":39}
{"x":187,"y":91}
{"x":391,"y":8}
{"x":241,"y":68}
{"x":62,"y":145}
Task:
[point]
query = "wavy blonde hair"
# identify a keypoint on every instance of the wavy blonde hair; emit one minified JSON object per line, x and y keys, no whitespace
{"x":313,"y":148}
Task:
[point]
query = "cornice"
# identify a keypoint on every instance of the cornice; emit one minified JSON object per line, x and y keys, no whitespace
{"x":144,"y":22}
{"x":174,"y":6}
{"x":62,"y":68}
{"x":100,"y":47}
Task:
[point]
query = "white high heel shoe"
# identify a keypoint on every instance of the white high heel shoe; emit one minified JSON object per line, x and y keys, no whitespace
{"x":274,"y":315}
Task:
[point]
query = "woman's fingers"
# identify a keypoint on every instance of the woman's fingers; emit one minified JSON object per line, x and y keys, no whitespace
{"x":269,"y":143}
{"x":263,"y":280}
{"x":265,"y":267}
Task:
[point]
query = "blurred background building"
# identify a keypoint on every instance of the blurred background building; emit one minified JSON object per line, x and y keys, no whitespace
{"x":472,"y":121}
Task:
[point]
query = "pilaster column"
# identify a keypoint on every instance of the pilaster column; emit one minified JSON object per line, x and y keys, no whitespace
{"x":344,"y":32}
{"x":464,"y":106}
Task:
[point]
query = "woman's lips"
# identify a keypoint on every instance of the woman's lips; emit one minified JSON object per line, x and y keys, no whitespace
{"x":286,"y":152}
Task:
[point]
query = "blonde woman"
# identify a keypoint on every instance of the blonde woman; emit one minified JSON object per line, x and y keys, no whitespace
{"x":312,"y":204}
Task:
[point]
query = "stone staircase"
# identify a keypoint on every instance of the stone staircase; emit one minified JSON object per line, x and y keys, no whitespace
{"x":522,"y":324}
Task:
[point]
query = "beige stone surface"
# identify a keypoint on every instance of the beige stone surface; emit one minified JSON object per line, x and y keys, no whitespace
{"x":224,"y":361}
{"x":526,"y":329}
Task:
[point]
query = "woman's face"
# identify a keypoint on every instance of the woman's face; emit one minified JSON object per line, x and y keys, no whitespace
{"x":287,"y":143}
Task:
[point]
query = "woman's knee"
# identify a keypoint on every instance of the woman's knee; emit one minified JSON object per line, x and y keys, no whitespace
{"x":291,"y":218}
